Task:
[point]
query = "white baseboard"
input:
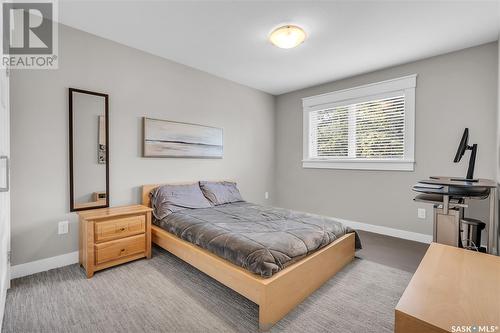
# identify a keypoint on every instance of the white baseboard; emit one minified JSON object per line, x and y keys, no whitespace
{"x":42,"y":265}
{"x":409,"y":235}
{"x":72,"y":258}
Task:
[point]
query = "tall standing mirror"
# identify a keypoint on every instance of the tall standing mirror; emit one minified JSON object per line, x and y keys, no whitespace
{"x":88,"y":149}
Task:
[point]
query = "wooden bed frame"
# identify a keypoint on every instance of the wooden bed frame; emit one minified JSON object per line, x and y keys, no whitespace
{"x":277,"y":295}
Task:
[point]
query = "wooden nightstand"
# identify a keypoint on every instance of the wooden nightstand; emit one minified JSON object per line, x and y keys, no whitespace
{"x":113,"y":236}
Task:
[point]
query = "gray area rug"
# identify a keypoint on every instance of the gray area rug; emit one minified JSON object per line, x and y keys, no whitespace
{"x":165,"y":294}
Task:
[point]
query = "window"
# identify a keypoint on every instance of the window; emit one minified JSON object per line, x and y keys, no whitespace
{"x":369,"y":127}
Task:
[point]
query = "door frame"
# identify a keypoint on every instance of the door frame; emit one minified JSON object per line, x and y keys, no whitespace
{"x":5,"y":229}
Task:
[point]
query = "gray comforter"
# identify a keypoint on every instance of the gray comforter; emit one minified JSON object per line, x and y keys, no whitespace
{"x":261,"y":239}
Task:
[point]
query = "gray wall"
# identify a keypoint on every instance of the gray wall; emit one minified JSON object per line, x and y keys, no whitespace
{"x":262,"y":148}
{"x":453,"y":91}
{"x":139,"y":85}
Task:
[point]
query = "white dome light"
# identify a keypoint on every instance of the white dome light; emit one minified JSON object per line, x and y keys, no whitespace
{"x":287,"y":37}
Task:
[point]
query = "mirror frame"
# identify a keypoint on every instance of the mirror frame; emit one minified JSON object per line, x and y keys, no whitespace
{"x":71,"y":174}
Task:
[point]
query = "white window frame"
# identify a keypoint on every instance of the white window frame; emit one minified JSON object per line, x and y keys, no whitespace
{"x":390,"y":88}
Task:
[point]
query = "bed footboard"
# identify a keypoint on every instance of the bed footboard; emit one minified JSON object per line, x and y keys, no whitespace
{"x":277,"y":295}
{"x":288,"y":288}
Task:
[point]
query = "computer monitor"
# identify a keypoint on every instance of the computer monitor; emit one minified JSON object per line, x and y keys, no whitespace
{"x":462,"y":148}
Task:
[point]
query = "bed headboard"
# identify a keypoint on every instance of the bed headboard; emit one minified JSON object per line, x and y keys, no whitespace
{"x":146,"y":189}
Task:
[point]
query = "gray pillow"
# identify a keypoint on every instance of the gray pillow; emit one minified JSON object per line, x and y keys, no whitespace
{"x":168,"y":199}
{"x":219,"y":193}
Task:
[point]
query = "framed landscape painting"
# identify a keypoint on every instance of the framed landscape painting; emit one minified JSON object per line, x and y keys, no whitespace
{"x":163,"y":138}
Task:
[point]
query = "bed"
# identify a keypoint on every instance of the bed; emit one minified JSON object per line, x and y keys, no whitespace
{"x":239,"y":256}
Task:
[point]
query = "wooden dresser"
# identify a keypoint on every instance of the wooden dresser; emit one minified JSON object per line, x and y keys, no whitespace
{"x":453,"y":290}
{"x":112,"y":236}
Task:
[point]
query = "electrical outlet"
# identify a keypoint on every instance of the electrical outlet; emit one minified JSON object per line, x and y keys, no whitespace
{"x":421,"y":213}
{"x":62,"y":227}
{"x":266,"y":195}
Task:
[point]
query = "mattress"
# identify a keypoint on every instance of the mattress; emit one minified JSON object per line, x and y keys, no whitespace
{"x":261,"y":239}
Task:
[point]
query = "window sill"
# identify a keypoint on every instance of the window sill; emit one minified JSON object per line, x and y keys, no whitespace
{"x":352,"y":164}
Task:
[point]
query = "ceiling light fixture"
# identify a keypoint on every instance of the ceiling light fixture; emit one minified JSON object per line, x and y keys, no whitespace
{"x":288,"y":36}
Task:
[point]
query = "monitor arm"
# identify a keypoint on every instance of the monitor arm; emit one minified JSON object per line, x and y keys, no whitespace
{"x":472,"y":161}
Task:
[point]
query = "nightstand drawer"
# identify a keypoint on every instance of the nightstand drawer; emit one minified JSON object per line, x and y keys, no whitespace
{"x":119,"y":228}
{"x":120,"y":248}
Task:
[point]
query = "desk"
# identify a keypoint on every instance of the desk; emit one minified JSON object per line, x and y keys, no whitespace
{"x":457,"y":188}
{"x":451,"y":287}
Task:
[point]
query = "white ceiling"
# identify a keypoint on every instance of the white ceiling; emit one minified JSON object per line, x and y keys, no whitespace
{"x":229,"y":38}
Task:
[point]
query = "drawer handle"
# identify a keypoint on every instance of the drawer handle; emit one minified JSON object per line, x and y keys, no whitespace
{"x":122,"y":250}
{"x":122,"y":229}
